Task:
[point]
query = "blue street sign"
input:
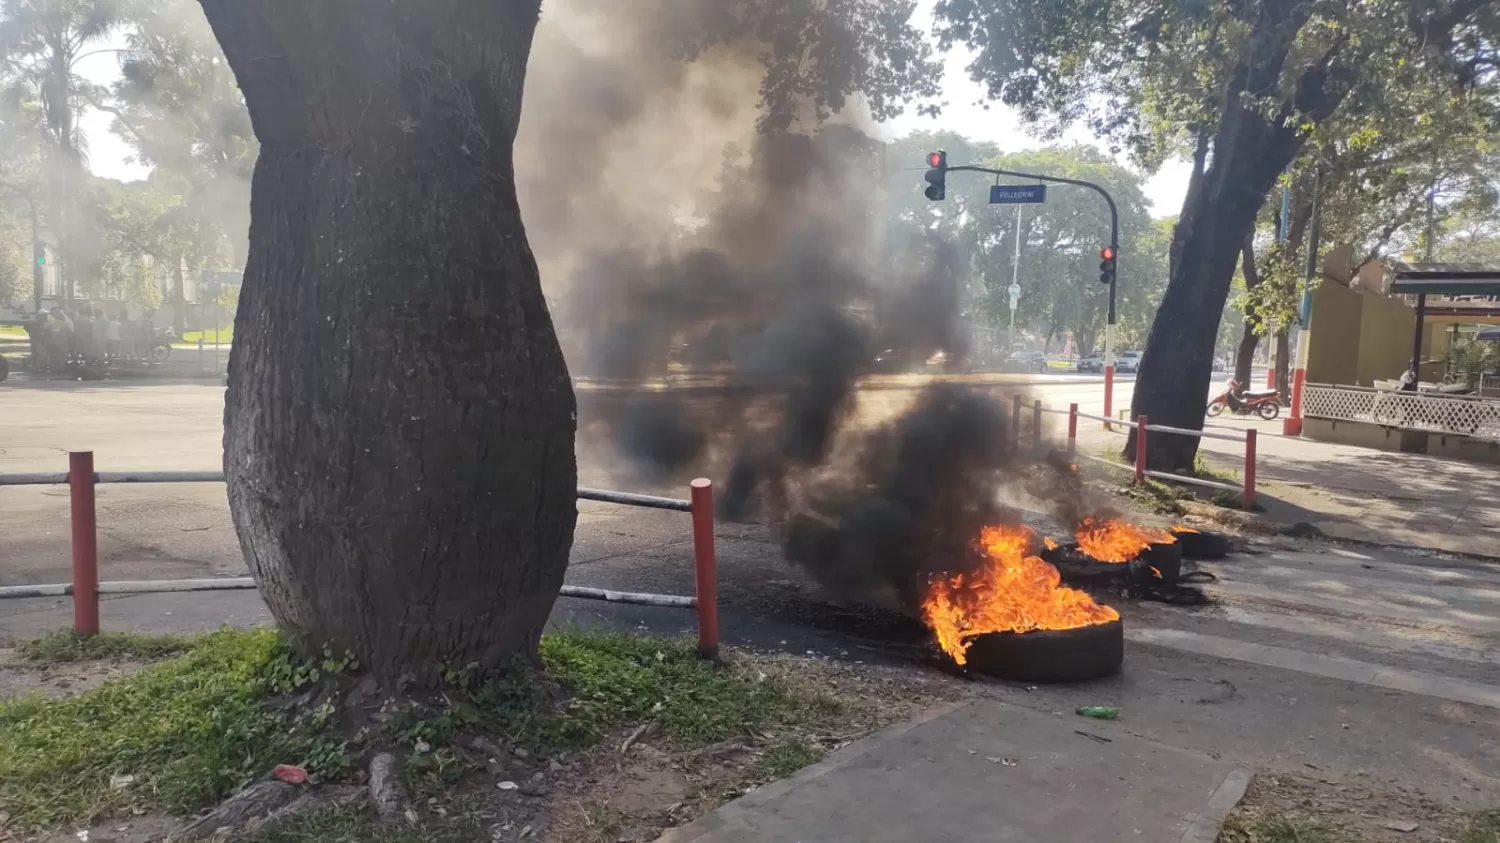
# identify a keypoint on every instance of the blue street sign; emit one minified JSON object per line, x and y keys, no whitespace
{"x":1018,"y":194}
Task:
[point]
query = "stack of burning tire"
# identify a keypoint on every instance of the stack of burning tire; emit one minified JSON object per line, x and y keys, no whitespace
{"x":1012,"y":617}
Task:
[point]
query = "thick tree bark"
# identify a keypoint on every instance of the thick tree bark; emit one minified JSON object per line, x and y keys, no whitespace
{"x":1244,"y":356}
{"x":1282,"y":363}
{"x":399,"y":422}
{"x":1250,"y":150}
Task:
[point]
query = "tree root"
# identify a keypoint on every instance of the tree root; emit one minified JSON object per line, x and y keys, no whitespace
{"x":388,"y":790}
{"x":261,"y":806}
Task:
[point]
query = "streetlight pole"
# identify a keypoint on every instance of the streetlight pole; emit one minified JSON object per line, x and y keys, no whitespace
{"x":1015,"y":285}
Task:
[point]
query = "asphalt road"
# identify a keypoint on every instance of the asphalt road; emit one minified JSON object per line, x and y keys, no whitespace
{"x":175,"y":531}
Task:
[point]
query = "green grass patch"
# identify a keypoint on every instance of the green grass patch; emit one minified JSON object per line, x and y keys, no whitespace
{"x":788,"y":757}
{"x":1240,"y":828}
{"x":192,"y":728}
{"x":1483,"y":827}
{"x":186,"y":731}
{"x":223,"y":335}
{"x":66,"y":646}
{"x":596,"y":682}
{"x":357,"y":825}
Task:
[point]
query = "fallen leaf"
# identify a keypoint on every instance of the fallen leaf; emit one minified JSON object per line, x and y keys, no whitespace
{"x":290,"y":774}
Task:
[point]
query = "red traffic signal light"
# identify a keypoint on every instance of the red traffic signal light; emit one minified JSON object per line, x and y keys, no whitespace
{"x":1107,"y":253}
{"x":937,"y":176}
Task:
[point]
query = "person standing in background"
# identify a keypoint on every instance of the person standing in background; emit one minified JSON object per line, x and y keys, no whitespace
{"x":113,"y":349}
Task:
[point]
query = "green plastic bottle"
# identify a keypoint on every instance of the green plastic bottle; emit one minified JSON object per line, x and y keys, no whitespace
{"x":1100,"y":712}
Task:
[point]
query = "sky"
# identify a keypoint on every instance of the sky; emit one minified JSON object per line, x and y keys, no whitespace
{"x":109,"y":156}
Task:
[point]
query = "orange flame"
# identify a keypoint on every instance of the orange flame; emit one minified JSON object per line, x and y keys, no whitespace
{"x":1117,"y":541}
{"x":1015,"y":591}
{"x":1183,"y":528}
{"x":1049,"y":543}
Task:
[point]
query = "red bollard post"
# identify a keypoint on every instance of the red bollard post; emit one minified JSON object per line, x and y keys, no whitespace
{"x":1109,"y":395}
{"x":704,"y":572}
{"x":1248,"y":497}
{"x":1140,"y":449}
{"x":1292,"y":426}
{"x":1036,"y":422}
{"x":1015,"y":418}
{"x":1072,"y":429}
{"x":85,"y":543}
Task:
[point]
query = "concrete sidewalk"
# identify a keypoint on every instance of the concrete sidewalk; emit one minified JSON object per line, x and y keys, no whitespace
{"x":984,"y":770}
{"x":1359,"y":494}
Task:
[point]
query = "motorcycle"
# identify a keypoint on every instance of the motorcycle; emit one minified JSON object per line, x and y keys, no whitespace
{"x":1265,"y":403}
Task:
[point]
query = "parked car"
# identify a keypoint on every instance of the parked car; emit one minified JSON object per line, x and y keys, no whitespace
{"x":1129,"y":362}
{"x":1218,"y":364}
{"x":1026,"y":361}
{"x":1091,"y":363}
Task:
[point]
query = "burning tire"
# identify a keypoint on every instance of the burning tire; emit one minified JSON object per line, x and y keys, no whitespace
{"x":1202,"y":545}
{"x":1051,"y":655}
{"x":1159,"y":564}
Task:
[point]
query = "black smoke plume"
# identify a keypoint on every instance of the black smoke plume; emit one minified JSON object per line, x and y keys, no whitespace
{"x":677,"y":239}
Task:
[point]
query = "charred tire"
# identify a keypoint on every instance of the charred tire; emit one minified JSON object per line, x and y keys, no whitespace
{"x":1201,"y":545}
{"x":1268,"y":410}
{"x":1051,"y":655}
{"x":1165,"y":557}
{"x":1215,"y":408}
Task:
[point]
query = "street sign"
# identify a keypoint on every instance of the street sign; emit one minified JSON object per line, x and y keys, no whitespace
{"x":1014,"y":289}
{"x":1018,"y":194}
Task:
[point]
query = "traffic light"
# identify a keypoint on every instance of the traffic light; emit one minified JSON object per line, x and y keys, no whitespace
{"x":937,"y":175}
{"x":1107,"y":265}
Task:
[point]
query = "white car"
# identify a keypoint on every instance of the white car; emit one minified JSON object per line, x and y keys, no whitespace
{"x":1128,"y":361}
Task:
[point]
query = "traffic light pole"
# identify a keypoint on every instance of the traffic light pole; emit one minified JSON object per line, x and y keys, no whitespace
{"x":1114,"y":244}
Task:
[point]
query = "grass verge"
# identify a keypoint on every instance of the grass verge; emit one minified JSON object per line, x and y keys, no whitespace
{"x":220,"y":710}
{"x":1279,"y":829}
{"x":65,"y":646}
{"x":223,"y":335}
{"x":176,"y":735}
{"x":1483,"y":827}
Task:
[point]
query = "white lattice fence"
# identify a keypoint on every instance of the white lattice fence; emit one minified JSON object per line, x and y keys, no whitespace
{"x":1452,"y":414}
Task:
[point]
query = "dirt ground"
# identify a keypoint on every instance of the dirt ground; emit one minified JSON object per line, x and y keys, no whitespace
{"x":630,"y":787}
{"x":1364,"y":809}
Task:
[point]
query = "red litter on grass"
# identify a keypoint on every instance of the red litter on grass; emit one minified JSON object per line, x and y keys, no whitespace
{"x":290,"y":774}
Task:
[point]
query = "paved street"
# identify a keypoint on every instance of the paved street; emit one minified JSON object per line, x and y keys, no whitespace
{"x":1309,"y":655}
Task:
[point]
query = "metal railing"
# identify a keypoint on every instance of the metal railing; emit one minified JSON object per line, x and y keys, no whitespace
{"x":85,"y":587}
{"x":1246,"y":489}
{"x":1455,"y":415}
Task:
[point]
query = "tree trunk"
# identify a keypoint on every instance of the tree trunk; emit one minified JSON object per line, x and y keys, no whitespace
{"x":1250,"y":150}
{"x":179,"y":297}
{"x":399,"y":421}
{"x":1283,"y":367}
{"x":1244,"y":356}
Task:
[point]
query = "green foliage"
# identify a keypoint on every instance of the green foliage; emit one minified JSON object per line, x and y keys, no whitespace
{"x":593,"y":683}
{"x":189,"y":731}
{"x":1482,"y":827}
{"x":67,"y":646}
{"x":1061,"y":239}
{"x":358,"y":825}
{"x":788,"y":757}
{"x":1470,"y":360}
{"x":1278,"y":829}
{"x":816,"y":55}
